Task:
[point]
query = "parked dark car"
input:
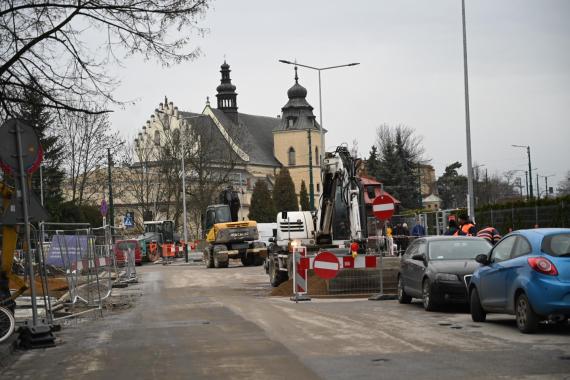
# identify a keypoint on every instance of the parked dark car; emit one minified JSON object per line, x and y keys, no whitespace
{"x":437,"y":269}
{"x":526,"y":274}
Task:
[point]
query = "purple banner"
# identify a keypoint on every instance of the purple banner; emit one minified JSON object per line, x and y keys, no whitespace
{"x":66,"y":249}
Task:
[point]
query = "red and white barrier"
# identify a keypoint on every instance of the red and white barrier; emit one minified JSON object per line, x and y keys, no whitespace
{"x":300,"y":278}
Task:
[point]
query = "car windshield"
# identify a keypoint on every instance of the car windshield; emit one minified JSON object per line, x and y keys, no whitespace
{"x":557,"y":245}
{"x":457,"y":249}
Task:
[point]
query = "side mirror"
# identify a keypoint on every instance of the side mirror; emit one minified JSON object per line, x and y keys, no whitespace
{"x":419,"y":257}
{"x":271,"y":240}
{"x":482,"y":259}
{"x":283,"y":215}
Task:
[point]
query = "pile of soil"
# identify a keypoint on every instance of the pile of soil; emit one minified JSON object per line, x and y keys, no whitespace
{"x":57,"y":286}
{"x":316,"y":286}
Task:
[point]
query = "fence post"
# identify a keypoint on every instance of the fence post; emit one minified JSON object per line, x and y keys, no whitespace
{"x":381,"y":296}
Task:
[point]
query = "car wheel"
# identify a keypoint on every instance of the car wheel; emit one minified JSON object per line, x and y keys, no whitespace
{"x":527,"y":320}
{"x":427,"y":294}
{"x":478,"y":314}
{"x":402,"y":296}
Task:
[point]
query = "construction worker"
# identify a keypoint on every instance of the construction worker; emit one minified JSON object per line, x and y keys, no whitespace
{"x":452,"y":228}
{"x":466,"y":226}
{"x":490,"y":234}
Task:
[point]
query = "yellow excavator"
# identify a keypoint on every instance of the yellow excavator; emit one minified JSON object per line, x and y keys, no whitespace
{"x":229,"y":238}
{"x":9,"y":240}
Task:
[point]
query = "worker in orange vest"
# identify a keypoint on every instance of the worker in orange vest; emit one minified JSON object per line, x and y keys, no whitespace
{"x":466,"y":226}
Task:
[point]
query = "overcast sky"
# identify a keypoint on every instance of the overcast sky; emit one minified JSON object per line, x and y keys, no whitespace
{"x":410,"y":72}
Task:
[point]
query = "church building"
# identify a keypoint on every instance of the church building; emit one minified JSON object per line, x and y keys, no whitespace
{"x":262,"y":144}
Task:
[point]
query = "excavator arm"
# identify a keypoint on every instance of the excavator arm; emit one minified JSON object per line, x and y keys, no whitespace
{"x":341,"y":202}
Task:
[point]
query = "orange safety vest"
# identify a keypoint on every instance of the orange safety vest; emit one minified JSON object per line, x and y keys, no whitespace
{"x":465,"y":229}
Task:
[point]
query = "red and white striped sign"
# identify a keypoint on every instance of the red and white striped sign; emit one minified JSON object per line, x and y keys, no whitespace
{"x":300,"y":279}
{"x":383,"y":207}
{"x":326,"y":265}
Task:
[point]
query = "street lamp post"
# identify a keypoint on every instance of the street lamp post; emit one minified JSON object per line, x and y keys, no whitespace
{"x":470,"y":197}
{"x":527,"y":147}
{"x":321,"y":150}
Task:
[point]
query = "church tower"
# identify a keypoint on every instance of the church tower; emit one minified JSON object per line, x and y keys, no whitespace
{"x":227,"y":96}
{"x":296,"y":141}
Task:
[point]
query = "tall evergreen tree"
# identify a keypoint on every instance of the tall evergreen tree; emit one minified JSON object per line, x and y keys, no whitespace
{"x":35,"y":113}
{"x":372,"y":164}
{"x":304,"y":198}
{"x":262,"y":209}
{"x":400,"y":154}
{"x":284,"y":196}
{"x":451,"y":187}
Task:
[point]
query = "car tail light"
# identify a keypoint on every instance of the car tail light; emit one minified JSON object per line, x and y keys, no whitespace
{"x":542,"y":265}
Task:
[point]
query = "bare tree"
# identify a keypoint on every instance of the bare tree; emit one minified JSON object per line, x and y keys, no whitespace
{"x":85,"y":138}
{"x":43,"y":46}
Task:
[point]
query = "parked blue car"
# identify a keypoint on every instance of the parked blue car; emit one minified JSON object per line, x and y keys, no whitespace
{"x":526,"y":274}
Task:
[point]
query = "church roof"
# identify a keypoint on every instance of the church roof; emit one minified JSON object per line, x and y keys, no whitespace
{"x":254,"y":135}
{"x":297,"y":113}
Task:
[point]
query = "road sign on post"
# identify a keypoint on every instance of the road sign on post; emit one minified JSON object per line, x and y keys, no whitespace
{"x":103,"y":208}
{"x":383,"y":207}
{"x":129,"y":220}
{"x":326,"y":265}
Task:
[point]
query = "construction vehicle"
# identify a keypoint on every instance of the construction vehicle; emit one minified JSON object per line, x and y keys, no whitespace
{"x":229,"y":238}
{"x":338,"y":225}
{"x":156,"y":234}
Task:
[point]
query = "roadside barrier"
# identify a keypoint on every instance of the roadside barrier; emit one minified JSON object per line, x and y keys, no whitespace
{"x":300,"y":270}
{"x":168,"y":253}
{"x":332,"y":273}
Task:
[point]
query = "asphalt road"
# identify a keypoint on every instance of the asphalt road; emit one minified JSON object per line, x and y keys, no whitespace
{"x":192,"y":323}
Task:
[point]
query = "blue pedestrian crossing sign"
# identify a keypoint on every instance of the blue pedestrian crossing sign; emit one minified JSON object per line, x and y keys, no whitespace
{"x":129,"y":220}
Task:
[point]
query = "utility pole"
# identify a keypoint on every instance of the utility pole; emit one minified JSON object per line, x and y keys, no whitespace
{"x":526,"y":183}
{"x":537,"y":188}
{"x":529,"y":167}
{"x":111,"y":208}
{"x":470,"y":195}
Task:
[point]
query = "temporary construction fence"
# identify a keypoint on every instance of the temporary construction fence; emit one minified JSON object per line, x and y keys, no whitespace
{"x":334,"y":273}
{"x":84,"y":256}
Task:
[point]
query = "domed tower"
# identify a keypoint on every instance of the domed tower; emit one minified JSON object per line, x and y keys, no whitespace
{"x":227,"y":96}
{"x":296,"y":141}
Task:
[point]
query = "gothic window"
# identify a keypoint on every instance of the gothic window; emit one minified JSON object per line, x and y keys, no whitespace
{"x":318,"y":187}
{"x":291,"y":156}
{"x":156,"y":137}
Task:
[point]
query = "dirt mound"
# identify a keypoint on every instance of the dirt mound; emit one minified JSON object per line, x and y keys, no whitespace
{"x":316,"y":286}
{"x":56,"y":286}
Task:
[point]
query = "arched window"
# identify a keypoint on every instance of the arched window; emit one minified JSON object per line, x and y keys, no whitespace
{"x":317,"y":155}
{"x":291,"y":156}
{"x":176,"y":136}
{"x":156,"y":137}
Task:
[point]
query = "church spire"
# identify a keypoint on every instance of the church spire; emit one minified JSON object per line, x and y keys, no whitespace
{"x":227,"y":96}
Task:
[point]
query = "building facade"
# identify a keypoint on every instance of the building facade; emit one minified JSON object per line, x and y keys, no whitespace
{"x":259,"y":145}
